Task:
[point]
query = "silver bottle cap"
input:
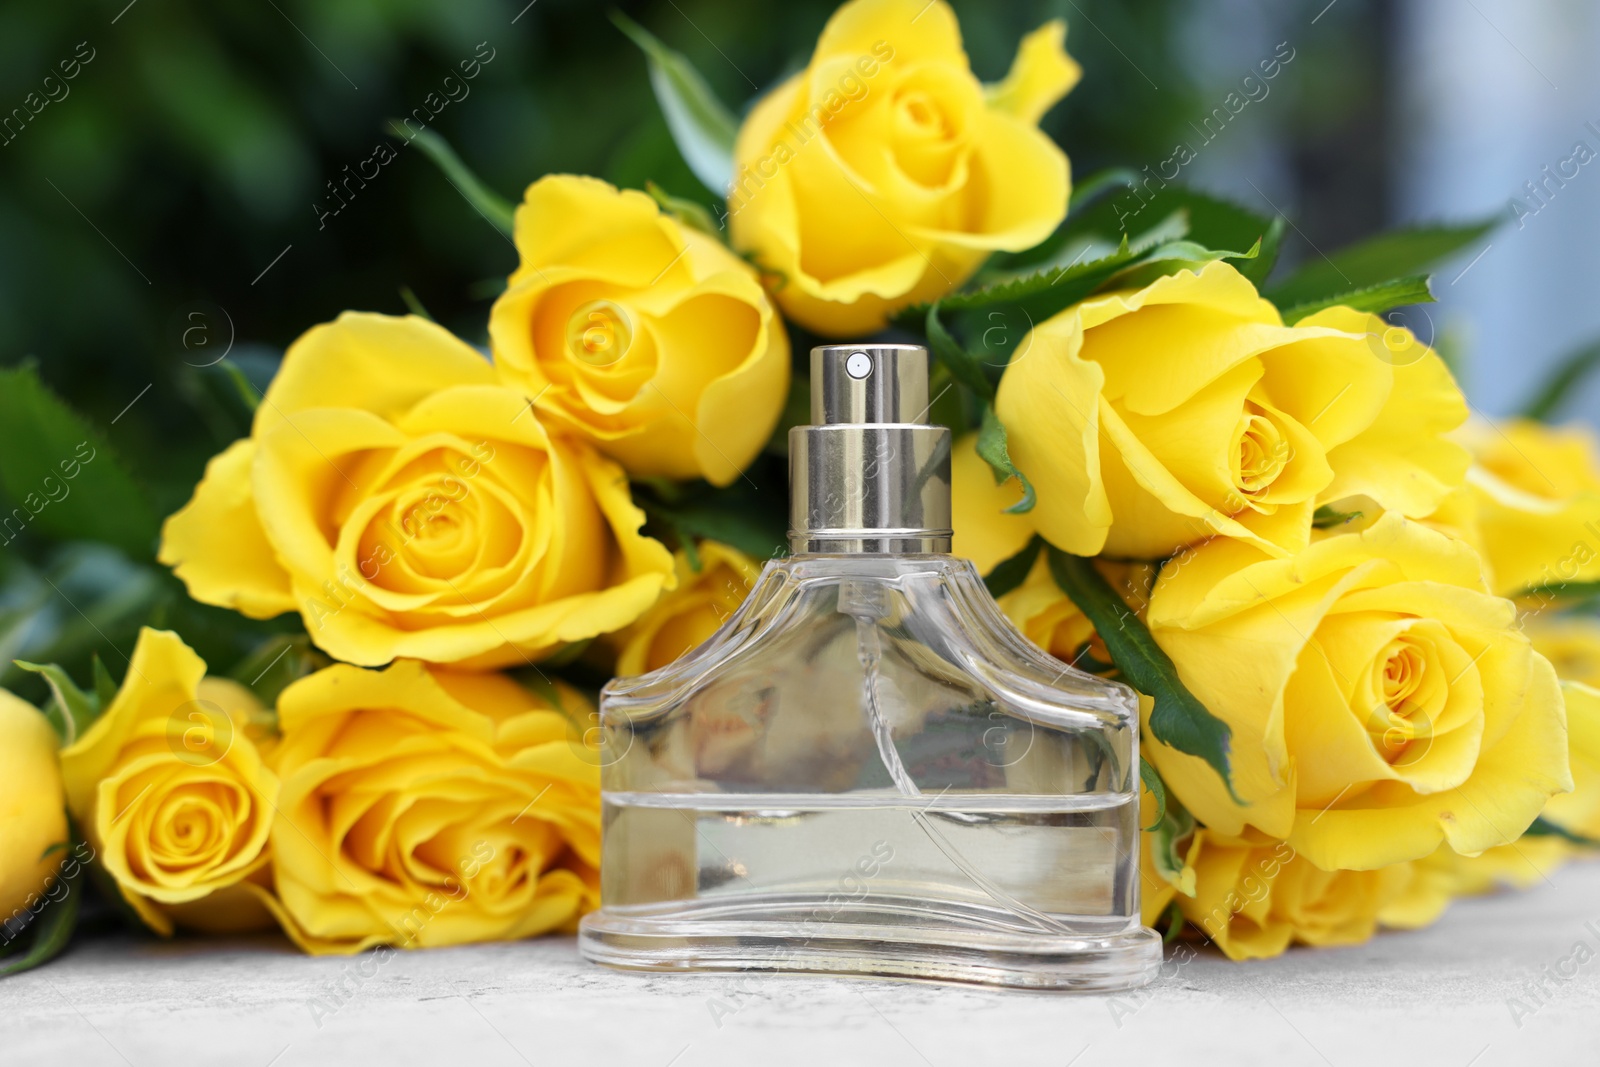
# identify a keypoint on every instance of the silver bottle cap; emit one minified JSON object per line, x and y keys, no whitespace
{"x":870,"y":474}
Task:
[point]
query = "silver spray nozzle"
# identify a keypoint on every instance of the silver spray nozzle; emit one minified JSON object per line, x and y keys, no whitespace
{"x":870,"y":474}
{"x":872,"y":384}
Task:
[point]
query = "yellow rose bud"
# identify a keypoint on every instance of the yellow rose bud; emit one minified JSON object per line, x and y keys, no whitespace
{"x":33,"y":820}
{"x":646,"y":337}
{"x":692,"y":612}
{"x":422,"y":806}
{"x":883,"y":175}
{"x":1154,"y":419}
{"x":1381,"y":700}
{"x":1535,"y":501}
{"x":408,"y":504}
{"x":1254,"y":896}
{"x":171,"y":791}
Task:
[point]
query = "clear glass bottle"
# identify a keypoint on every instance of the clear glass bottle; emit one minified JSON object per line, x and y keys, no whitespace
{"x":868,"y":770}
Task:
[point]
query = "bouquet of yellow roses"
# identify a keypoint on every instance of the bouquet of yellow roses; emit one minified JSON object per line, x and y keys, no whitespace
{"x":1360,"y":620}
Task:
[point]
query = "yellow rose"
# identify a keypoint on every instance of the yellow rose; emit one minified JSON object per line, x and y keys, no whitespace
{"x":985,"y":532}
{"x":1157,"y":888}
{"x":1578,"y":812}
{"x":33,"y":820}
{"x":408,"y":504}
{"x":1522,"y":864}
{"x":1381,"y":700}
{"x":646,"y":337}
{"x":1438,"y":879}
{"x":883,"y":174}
{"x":1571,"y":643}
{"x":1254,"y":895}
{"x":422,"y":806}
{"x":1535,"y":496}
{"x":1153,"y":419}
{"x":692,"y":612}
{"x":171,"y":792}
{"x":1049,"y":618}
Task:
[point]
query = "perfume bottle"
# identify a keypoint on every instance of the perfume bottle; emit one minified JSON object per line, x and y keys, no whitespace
{"x":867,"y":769}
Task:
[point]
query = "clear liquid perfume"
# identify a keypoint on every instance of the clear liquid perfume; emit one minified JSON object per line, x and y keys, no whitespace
{"x":868,"y":770}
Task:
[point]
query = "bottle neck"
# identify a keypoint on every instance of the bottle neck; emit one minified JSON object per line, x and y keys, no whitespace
{"x":879,"y":488}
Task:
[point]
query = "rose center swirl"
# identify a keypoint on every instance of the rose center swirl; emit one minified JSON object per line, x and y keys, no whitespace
{"x":1260,"y":453}
{"x":1409,"y":692}
{"x":599,"y":333}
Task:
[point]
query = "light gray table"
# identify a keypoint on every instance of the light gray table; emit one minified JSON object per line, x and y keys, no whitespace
{"x":1437,"y":996}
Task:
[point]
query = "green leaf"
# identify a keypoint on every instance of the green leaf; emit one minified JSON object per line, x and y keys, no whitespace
{"x":963,"y":366}
{"x":567,"y":654}
{"x":1371,"y":262}
{"x":1010,"y":308}
{"x":1045,"y":291}
{"x":1168,"y":833}
{"x":277,"y":663}
{"x":1174,"y":256}
{"x":1031,"y":296}
{"x":1175,"y":923}
{"x":690,"y":213}
{"x":1158,"y":789}
{"x":108,"y":891}
{"x":105,"y":686}
{"x":1178,"y":718}
{"x":1086,"y":248}
{"x":51,"y":929}
{"x":951,"y":407}
{"x":741,"y":515}
{"x":84,"y":596}
{"x":1568,"y":375}
{"x":242,"y":384}
{"x":1050,"y":251}
{"x":1085,"y":660}
{"x":703,"y":128}
{"x":1257,"y":267}
{"x":1543,"y":827}
{"x":756,"y":536}
{"x":414,"y":305}
{"x":60,"y":474}
{"x":1396,"y":292}
{"x":992,"y":449}
{"x":487,"y":288}
{"x":797,"y":412}
{"x":1327,"y":516}
{"x":1099,"y":184}
{"x":691,"y":550}
{"x":71,"y":711}
{"x":1212,"y":223}
{"x":1013,"y":571}
{"x":495,"y":209}
{"x":536,"y":681}
{"x":1568,"y":591}
{"x":88,"y":596}
{"x":1162,"y":249}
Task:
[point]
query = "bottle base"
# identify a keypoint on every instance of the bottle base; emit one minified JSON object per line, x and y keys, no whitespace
{"x":1097,"y":963}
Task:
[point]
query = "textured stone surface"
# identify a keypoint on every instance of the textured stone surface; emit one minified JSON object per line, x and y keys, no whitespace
{"x":1436,"y":996}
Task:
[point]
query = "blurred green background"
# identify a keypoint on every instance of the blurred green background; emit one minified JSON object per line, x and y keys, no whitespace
{"x":165,"y":207}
